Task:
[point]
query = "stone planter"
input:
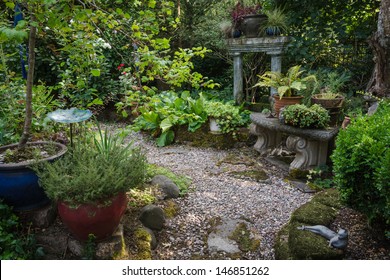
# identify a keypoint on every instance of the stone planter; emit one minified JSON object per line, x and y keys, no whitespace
{"x":214,"y":127}
{"x":251,"y":25}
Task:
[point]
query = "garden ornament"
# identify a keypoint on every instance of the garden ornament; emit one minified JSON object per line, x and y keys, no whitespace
{"x":337,"y":240}
{"x":70,"y":116}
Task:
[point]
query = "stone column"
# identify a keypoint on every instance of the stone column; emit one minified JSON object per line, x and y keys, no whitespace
{"x":276,"y":66}
{"x":238,"y":78}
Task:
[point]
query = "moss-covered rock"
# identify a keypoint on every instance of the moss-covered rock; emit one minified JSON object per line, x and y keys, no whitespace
{"x":245,"y":238}
{"x":328,"y":197}
{"x":143,"y":241}
{"x":293,"y":243}
{"x":282,"y":249}
{"x":314,"y":213}
{"x":171,"y":209}
{"x":305,"y":245}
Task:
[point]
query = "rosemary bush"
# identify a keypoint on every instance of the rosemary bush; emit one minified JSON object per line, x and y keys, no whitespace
{"x":93,"y":171}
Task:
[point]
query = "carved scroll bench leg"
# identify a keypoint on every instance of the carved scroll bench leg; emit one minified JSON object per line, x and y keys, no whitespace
{"x":266,"y":139}
{"x":309,"y":153}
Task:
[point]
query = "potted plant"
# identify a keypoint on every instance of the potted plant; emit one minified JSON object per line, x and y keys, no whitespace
{"x":331,"y":96}
{"x":90,"y":183}
{"x":299,"y":115}
{"x":248,"y":19}
{"x":18,"y":183}
{"x":288,"y":85}
{"x":276,"y":22}
{"x":225,"y":117}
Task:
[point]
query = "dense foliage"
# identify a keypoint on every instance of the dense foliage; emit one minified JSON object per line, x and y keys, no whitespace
{"x":362,"y":164}
{"x":14,"y":244}
{"x":332,"y":34}
{"x":300,"y":115}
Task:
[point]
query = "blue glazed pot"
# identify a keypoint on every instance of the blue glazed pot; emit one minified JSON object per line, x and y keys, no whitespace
{"x":19,"y":185}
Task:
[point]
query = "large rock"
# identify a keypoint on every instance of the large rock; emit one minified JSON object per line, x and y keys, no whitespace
{"x":152,"y":217}
{"x":168,"y":187}
{"x":293,"y":243}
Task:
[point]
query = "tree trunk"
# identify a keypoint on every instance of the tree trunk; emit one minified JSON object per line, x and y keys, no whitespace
{"x":379,"y":85}
{"x":29,"y":87}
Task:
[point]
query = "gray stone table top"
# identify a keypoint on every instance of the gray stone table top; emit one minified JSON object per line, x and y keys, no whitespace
{"x":273,"y":124}
{"x":262,"y":44}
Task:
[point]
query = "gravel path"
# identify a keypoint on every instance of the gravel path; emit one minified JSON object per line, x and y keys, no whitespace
{"x":215,"y":193}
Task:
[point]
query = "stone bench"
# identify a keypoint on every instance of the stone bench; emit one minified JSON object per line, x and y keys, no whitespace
{"x":310,"y":145}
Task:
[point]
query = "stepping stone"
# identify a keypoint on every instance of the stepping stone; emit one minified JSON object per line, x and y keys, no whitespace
{"x":219,"y":240}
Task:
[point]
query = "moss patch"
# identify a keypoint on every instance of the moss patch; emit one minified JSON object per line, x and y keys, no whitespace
{"x":171,"y":209}
{"x":298,"y":174}
{"x":314,"y":213}
{"x":282,"y":250}
{"x":292,"y":243}
{"x":256,"y":175}
{"x":305,"y":245}
{"x":183,"y":182}
{"x":244,"y":238}
{"x":235,"y":159}
{"x":329,"y":197}
{"x":202,"y":138}
{"x":143,"y":241}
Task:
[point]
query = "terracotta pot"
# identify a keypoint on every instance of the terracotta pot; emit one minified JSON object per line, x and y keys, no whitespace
{"x":101,"y":220}
{"x":19,"y":185}
{"x":327,"y":103}
{"x":280,"y":103}
{"x":333,"y":105}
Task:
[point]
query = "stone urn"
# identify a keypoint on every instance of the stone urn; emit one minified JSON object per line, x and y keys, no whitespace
{"x":251,"y":25}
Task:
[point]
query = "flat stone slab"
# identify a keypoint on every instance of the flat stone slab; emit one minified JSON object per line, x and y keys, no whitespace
{"x":219,"y":240}
{"x":303,"y":187}
{"x":260,"y":44}
{"x":273,"y":124}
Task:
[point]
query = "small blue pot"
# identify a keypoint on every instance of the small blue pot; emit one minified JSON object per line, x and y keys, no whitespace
{"x":19,"y":185}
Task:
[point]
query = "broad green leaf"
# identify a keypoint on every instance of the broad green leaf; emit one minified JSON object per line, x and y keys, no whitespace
{"x":95,"y":72}
{"x":166,"y":138}
{"x":166,"y":124}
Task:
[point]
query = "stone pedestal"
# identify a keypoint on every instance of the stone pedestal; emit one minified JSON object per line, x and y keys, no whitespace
{"x":272,"y":46}
{"x":310,"y":145}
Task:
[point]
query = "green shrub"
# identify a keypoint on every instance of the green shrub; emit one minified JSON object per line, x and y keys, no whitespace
{"x":362,"y":164}
{"x":302,"y":116}
{"x":93,"y":171}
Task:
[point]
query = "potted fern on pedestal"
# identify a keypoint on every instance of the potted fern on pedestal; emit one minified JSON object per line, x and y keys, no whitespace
{"x":288,"y":86}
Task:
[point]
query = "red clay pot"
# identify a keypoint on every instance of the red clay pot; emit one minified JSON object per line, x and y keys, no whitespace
{"x":285,"y":101}
{"x":101,"y":220}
